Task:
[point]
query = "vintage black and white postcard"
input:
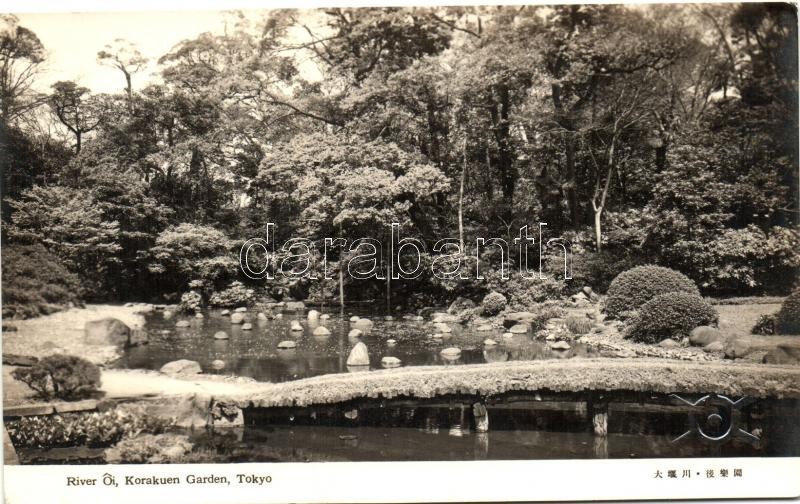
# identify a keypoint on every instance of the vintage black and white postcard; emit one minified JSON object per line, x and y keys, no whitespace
{"x":434,"y":252}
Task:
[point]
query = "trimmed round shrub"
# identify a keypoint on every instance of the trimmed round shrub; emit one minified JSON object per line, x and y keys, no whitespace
{"x":60,"y":376}
{"x":787,"y":321}
{"x":630,"y":290}
{"x":764,"y":325}
{"x":493,"y":303}
{"x":671,"y":315}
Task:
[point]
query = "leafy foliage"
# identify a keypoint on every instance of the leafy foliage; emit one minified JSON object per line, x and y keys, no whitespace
{"x":671,"y":315}
{"x":635,"y":287}
{"x":493,"y":303}
{"x":60,"y":376}
{"x":149,"y":448}
{"x":236,"y":294}
{"x":97,"y":429}
{"x":35,"y":282}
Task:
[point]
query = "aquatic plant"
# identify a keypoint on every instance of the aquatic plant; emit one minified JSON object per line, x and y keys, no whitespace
{"x":635,"y":287}
{"x":671,"y":315}
{"x":96,"y":429}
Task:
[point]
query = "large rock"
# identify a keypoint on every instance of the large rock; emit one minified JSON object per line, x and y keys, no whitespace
{"x":783,"y":354}
{"x":736,"y":348}
{"x":519,"y":329}
{"x":512,"y":319}
{"x":703,"y":335}
{"x":359,"y":355}
{"x":182,"y":366}
{"x":237,"y":318}
{"x":295,"y":306}
{"x":442,"y":328}
{"x":714,"y":346}
{"x":459,"y":305}
{"x":107,"y":331}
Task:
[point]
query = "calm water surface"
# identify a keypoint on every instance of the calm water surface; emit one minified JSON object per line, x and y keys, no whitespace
{"x":255,"y":353}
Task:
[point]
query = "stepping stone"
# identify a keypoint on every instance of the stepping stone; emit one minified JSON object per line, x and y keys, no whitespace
{"x":285,"y":345}
{"x":451,"y":353}
{"x":321,"y":331}
{"x":296,"y":326}
{"x":519,"y":329}
{"x":241,"y":309}
{"x":221,"y":335}
{"x":182,"y":323}
{"x":247,"y":326}
{"x":489,"y":342}
{"x":218,"y":364}
{"x":391,"y":342}
{"x":355,"y":333}
{"x":225,"y":312}
{"x":560,"y":345}
{"x":390,"y":362}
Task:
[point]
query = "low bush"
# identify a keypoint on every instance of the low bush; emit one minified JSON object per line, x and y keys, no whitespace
{"x":191,"y":302}
{"x":598,"y":269}
{"x":35,"y":282}
{"x":60,"y":376}
{"x":787,"y":320}
{"x":493,"y":303}
{"x":631,"y":289}
{"x":671,"y":315}
{"x":522,"y":292}
{"x":236,"y":294}
{"x":764,"y":325}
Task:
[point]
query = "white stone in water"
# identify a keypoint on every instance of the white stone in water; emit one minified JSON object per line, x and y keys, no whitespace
{"x":313,"y":315}
{"x":391,"y":342}
{"x":241,"y":309}
{"x":451,"y":353}
{"x":324,"y":316}
{"x":508,"y":335}
{"x":225,"y":312}
{"x":321,"y":331}
{"x":550,"y":337}
{"x":237,"y":318}
{"x":181,"y":366}
{"x":247,"y":326}
{"x":168,"y":314}
{"x":354,"y":318}
{"x":484,"y":328}
{"x":279,"y":315}
{"x":388,"y":318}
{"x":390,"y":362}
{"x":284,"y":345}
{"x":221,"y":335}
{"x":359,"y":355}
{"x":443,"y":328}
{"x":182,"y":323}
{"x":218,"y":364}
{"x":560,"y":345}
{"x":296,"y":325}
{"x":436,"y":336}
{"x":363,"y":324}
{"x":262,"y":316}
{"x":489,"y":342}
{"x":199,"y":315}
{"x":519,"y":329}
{"x":354,"y":333}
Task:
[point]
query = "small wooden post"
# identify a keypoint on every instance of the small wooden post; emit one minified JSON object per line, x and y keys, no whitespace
{"x":481,"y":415}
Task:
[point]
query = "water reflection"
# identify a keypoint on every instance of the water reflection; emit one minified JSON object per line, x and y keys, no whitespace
{"x":254,"y":353}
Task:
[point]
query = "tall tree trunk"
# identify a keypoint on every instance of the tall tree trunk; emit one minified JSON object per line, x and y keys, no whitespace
{"x":461,"y":201}
{"x":565,"y":122}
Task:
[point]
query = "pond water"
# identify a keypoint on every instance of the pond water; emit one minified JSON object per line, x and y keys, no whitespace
{"x":255,"y":353}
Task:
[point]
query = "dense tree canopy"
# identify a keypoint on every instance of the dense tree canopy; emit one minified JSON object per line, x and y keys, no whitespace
{"x":664,"y":134}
